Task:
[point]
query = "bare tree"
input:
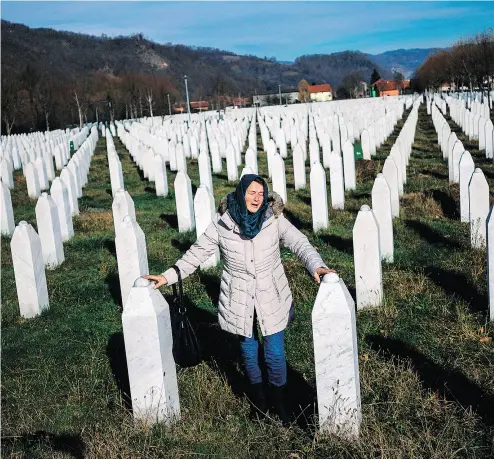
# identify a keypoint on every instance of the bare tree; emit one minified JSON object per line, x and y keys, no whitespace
{"x":149,"y":97}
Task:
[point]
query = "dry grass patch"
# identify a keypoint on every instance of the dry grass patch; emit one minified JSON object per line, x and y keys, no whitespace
{"x":421,"y":204}
{"x":94,"y":221}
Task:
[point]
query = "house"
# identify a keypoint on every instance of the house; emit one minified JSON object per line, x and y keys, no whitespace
{"x":391,"y":87}
{"x":320,"y":93}
{"x":288,"y":96}
{"x":199,"y":105}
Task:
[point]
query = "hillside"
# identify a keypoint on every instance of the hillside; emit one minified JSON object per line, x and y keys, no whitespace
{"x":405,"y":61}
{"x":70,"y":55}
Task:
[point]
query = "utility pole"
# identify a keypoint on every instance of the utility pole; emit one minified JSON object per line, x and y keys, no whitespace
{"x":169,"y":105}
{"x":279,"y":88}
{"x":187,"y":93}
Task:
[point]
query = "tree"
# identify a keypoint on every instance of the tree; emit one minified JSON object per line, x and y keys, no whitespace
{"x":10,"y":102}
{"x":352,"y":85}
{"x":374,"y":77}
{"x":303,"y":91}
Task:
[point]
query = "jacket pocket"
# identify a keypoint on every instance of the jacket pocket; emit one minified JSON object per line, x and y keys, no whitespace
{"x":275,"y":283}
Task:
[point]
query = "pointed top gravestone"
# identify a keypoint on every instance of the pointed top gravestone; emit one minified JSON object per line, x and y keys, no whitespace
{"x":49,"y":231}
{"x":132,"y":259}
{"x":184,"y":202}
{"x":349,"y":166}
{"x":32,"y":181}
{"x":148,"y":347}
{"x":7,"y":213}
{"x":479,"y":208}
{"x":381,"y":206}
{"x":160,"y":178}
{"x":205,"y":212}
{"x":367,"y":259}
{"x":336,"y":359}
{"x":278,"y":177}
{"x":318,"y":197}
{"x":336,"y":181}
{"x":390,"y":172}
{"x":60,"y":195}
{"x":231,"y":163}
{"x":122,"y":205}
{"x":299,"y":167}
{"x":29,"y":271}
{"x":467,"y":168}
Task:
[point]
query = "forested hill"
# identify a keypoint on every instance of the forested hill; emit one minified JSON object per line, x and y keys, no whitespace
{"x":69,"y":56}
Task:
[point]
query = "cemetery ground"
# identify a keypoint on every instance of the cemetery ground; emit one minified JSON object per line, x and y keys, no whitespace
{"x":426,"y":356}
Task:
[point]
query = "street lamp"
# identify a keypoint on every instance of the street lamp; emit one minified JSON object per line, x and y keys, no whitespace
{"x":187,"y":93}
{"x":279,"y":89}
{"x":169,"y":105}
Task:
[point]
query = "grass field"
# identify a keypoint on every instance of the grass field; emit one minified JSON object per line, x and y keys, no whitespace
{"x":426,"y":356}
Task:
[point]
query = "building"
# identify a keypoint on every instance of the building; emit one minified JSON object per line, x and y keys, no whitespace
{"x":199,"y":105}
{"x":289,"y":96}
{"x":320,"y":93}
{"x":391,"y":87}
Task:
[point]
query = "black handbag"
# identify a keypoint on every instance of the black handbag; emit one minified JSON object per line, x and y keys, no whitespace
{"x":186,"y":348}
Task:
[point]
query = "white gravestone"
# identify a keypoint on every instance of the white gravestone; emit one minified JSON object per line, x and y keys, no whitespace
{"x":49,"y":231}
{"x":148,"y":347}
{"x":60,"y":195}
{"x":160,"y":178}
{"x":68,"y":180}
{"x":278,"y":177}
{"x":184,"y":203}
{"x":318,"y":197}
{"x":50,"y":169}
{"x":7,"y":213}
{"x":32,"y":181}
{"x":205,"y":175}
{"x":251,"y":160}
{"x":6,"y":173}
{"x":479,"y":208}
{"x":336,"y":359}
{"x":122,"y":205}
{"x":390,"y":172}
{"x":77,"y":179}
{"x":42,"y":176}
{"x":490,"y":262}
{"x":29,"y":271}
{"x":367,"y":259}
{"x":299,"y":168}
{"x":381,"y":206}
{"x":467,"y":167}
{"x":116,"y":174}
{"x":231,"y":163}
{"x":349,"y":166}
{"x":132,"y":258}
{"x":205,"y":212}
{"x":365,"y":140}
{"x":489,"y":139}
{"x":336,"y":181}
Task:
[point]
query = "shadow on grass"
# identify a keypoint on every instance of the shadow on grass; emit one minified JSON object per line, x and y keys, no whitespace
{"x":170,"y":219}
{"x":458,"y":285}
{"x":150,"y":189}
{"x":434,"y":174}
{"x":115,"y":351}
{"x":431,"y":235}
{"x":64,"y":443}
{"x":451,"y":384}
{"x":339,"y":243}
{"x":447,"y":203}
{"x":183,"y":246}
{"x":113,"y":282}
{"x":296,"y":221}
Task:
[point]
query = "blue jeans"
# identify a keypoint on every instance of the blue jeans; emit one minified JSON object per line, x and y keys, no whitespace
{"x":274,"y":355}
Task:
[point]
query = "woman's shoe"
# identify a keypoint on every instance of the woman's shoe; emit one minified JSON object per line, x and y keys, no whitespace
{"x":277,"y":396}
{"x":258,"y":399}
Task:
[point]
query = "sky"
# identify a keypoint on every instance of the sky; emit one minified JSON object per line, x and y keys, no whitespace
{"x":283,"y":30}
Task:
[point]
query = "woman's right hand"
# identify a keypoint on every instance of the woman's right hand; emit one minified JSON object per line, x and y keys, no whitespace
{"x":159,"y":280}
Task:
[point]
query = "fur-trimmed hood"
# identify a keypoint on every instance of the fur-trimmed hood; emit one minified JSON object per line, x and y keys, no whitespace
{"x":275,"y":205}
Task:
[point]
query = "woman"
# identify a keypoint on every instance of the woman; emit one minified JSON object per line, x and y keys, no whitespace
{"x":253,"y":284}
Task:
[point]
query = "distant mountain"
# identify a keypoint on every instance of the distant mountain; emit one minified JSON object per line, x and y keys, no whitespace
{"x":405,"y":61}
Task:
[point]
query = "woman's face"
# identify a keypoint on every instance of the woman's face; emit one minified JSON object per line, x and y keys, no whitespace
{"x":254,"y":197}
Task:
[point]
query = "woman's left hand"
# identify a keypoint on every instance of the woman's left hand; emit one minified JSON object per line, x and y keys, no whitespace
{"x":320,"y":272}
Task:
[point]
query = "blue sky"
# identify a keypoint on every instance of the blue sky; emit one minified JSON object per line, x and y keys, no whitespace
{"x":284,"y":30}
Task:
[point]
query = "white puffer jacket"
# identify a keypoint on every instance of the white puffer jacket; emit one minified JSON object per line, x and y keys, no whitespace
{"x":253,"y":278}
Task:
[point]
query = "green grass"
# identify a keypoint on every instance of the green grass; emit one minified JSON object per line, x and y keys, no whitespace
{"x":426,"y":355}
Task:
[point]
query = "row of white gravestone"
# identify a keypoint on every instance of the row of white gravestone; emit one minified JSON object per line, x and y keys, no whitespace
{"x":151,"y":367}
{"x":474,"y":189}
{"x":31,"y":252}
